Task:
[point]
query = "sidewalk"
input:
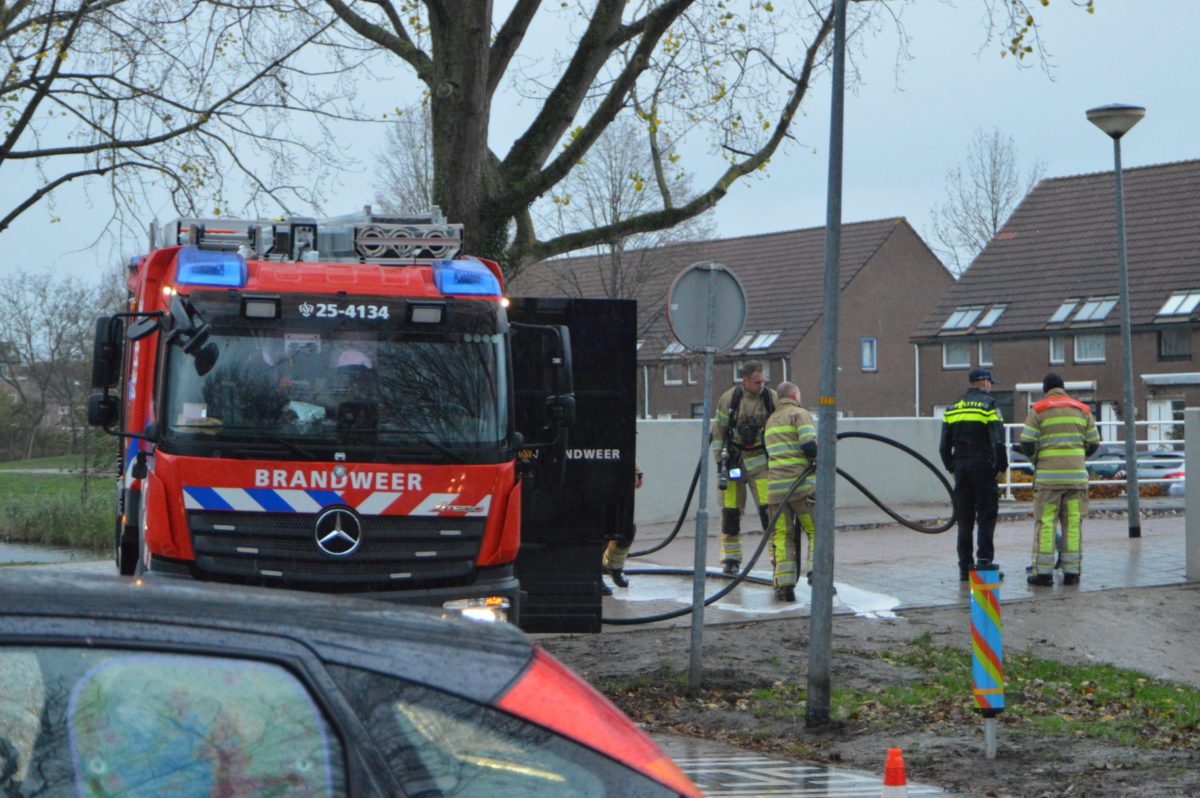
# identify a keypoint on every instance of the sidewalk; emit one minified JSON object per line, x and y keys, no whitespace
{"x":881,"y":567}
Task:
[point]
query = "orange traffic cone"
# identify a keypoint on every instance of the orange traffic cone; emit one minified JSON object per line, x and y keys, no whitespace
{"x":894,"y":783}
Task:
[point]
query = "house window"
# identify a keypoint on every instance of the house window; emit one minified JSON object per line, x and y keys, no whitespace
{"x":1089,"y":348}
{"x":1181,"y":303}
{"x":1057,"y":350}
{"x":764,"y":340}
{"x":1174,"y":344}
{"x":673,"y":374}
{"x":985,"y":353}
{"x":992,"y":316}
{"x":697,"y":409}
{"x":963,"y":317}
{"x":867,"y":355}
{"x":692,"y":377}
{"x":673,"y":348}
{"x":744,"y":341}
{"x":956,"y":355}
{"x":1095,"y":308}
{"x":639,"y":344}
{"x":1063,"y":311}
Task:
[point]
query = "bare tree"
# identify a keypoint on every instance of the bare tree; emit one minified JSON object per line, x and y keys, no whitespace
{"x":47,"y":343}
{"x":981,"y":193}
{"x":406,"y":184}
{"x":189,"y":98}
{"x":611,"y":184}
{"x":732,"y":73}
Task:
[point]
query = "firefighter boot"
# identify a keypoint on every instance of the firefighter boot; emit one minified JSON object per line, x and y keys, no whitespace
{"x":731,"y":544}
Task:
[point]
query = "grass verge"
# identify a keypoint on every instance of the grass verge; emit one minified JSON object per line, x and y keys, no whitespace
{"x":51,"y":510}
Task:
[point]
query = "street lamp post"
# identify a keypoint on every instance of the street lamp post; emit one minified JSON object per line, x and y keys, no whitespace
{"x":1116,"y":121}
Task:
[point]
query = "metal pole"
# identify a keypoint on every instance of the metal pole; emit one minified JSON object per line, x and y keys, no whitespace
{"x":700,"y":565}
{"x":1131,"y":478}
{"x":821,"y":619}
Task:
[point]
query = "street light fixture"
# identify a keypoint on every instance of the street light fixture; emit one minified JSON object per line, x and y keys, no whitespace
{"x":1116,"y":121}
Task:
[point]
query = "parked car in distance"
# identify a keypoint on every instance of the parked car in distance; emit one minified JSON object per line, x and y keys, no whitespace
{"x":154,"y":687}
{"x":1179,"y":486}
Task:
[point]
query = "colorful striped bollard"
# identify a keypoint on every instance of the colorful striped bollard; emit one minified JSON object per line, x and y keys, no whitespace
{"x":986,"y":651}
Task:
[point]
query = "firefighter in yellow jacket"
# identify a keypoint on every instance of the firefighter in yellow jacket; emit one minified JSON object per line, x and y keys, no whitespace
{"x":740,"y":450}
{"x":791,"y":442}
{"x":1059,"y":435}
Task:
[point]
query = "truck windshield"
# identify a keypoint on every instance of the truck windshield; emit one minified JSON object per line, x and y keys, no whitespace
{"x":306,"y":390}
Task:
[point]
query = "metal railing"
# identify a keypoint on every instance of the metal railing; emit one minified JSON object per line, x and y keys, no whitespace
{"x":1160,"y":451}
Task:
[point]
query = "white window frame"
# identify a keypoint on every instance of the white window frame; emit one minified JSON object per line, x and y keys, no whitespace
{"x":868,"y":354}
{"x":1057,"y":358}
{"x":957,"y":364}
{"x":1064,"y":310}
{"x":962,"y":317}
{"x":1096,"y":308}
{"x":692,"y":379}
{"x":765,"y":339}
{"x":673,"y":348}
{"x":985,"y":357}
{"x":1090,"y":358}
{"x":1180,"y":303}
{"x":992,"y":316}
{"x":744,"y":341}
{"x":676,"y":366}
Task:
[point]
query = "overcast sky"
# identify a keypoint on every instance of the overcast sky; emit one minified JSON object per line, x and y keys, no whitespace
{"x":903,"y":131}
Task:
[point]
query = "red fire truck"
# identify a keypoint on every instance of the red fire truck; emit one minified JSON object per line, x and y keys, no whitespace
{"x":351,"y":405}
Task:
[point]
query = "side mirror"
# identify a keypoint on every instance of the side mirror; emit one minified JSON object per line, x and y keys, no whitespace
{"x":103,"y":410}
{"x":205,"y":358}
{"x":107,"y":351}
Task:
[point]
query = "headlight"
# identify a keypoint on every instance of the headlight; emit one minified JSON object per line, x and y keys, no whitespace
{"x":490,"y":609}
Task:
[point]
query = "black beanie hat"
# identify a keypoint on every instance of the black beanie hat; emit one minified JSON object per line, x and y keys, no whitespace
{"x":1052,"y":381}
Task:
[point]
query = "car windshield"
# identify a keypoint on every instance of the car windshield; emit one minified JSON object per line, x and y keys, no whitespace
{"x":310,"y":387}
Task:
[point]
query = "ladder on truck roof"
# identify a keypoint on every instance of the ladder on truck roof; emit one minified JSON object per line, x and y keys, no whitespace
{"x":364,"y":237}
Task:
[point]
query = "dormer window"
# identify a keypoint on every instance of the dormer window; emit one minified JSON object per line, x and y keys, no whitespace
{"x":992,"y":316}
{"x":1095,"y":308}
{"x":1064,"y":310}
{"x":963,"y":317}
{"x":1181,"y":303}
{"x":765,"y":339}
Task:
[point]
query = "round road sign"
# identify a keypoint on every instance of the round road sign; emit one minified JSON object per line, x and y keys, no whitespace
{"x":698,"y":291}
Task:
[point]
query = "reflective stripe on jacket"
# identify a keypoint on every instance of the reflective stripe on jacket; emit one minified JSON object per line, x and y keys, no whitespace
{"x":972,"y":428}
{"x":1062,"y":429}
{"x":788,"y":429}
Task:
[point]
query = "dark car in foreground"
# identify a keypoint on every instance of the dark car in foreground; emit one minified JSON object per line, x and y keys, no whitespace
{"x":153,"y":688}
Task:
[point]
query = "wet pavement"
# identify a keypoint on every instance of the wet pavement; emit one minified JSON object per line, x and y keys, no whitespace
{"x":881,"y":569}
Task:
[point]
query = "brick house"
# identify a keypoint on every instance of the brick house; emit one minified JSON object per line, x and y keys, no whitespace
{"x":890,"y":281}
{"x":1043,"y":296}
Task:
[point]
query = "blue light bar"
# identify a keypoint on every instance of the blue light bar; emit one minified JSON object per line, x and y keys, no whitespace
{"x":205,"y":267}
{"x":465,"y":277}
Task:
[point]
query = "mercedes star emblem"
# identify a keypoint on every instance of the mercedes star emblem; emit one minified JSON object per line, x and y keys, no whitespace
{"x":339,"y":532}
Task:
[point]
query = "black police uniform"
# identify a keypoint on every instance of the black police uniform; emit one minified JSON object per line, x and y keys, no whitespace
{"x":972,"y":447}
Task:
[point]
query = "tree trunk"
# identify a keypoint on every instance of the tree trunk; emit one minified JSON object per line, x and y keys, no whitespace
{"x":461,"y":115}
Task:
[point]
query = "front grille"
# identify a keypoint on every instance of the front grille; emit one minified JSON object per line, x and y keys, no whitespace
{"x":396,"y":551}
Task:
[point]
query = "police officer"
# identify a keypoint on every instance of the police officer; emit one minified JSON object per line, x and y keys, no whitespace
{"x":1059,"y":435}
{"x":791,"y":448}
{"x":738,"y":443}
{"x":972,"y":448}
